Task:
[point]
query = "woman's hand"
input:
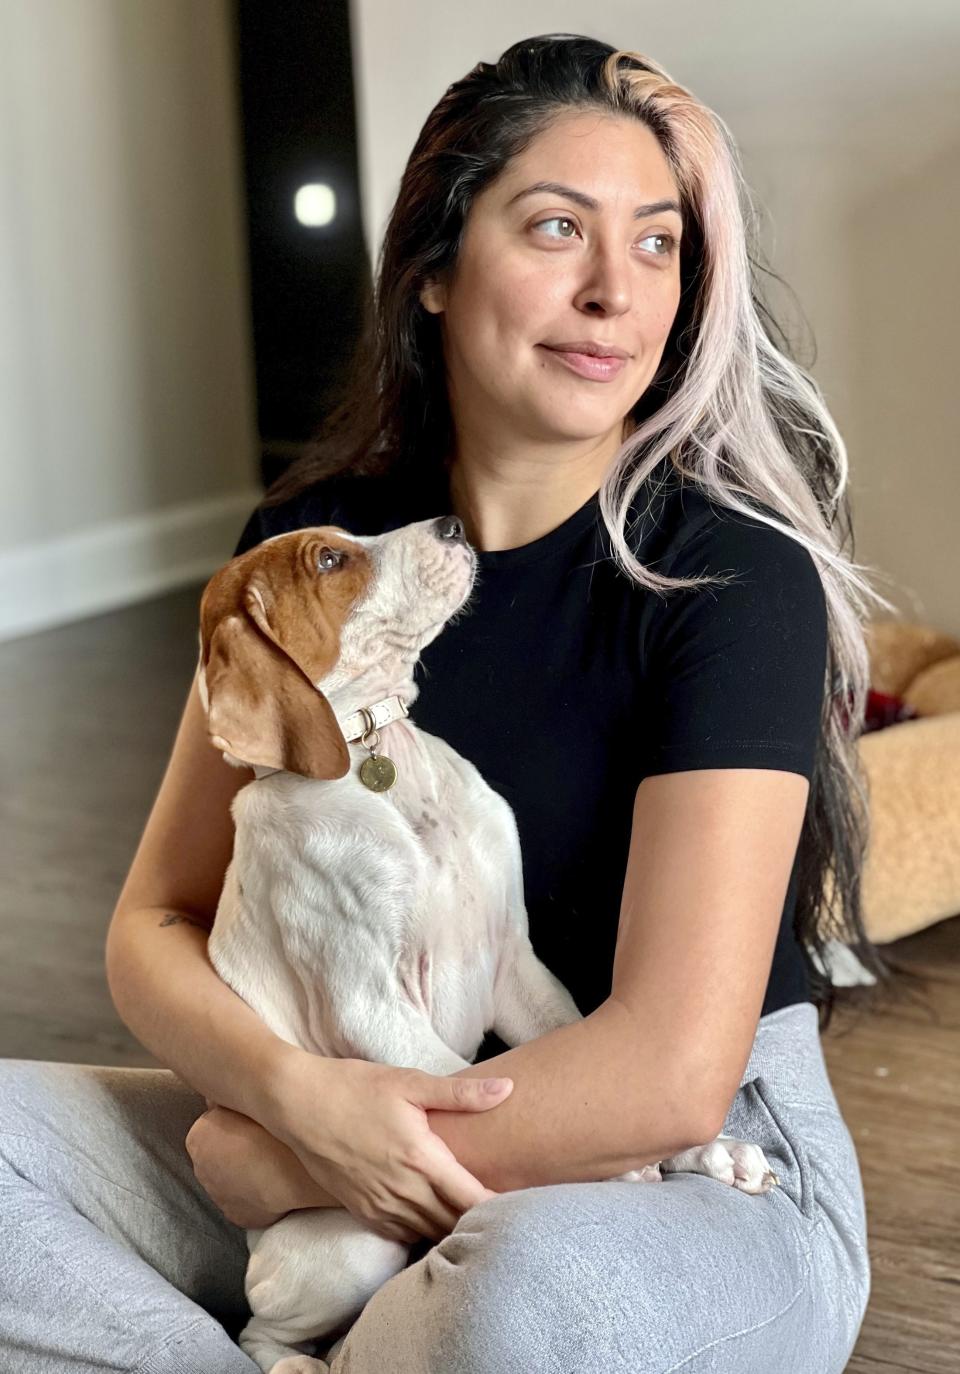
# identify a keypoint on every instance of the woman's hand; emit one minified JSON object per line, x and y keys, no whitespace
{"x":253,"y":1178}
{"x":361,"y":1131}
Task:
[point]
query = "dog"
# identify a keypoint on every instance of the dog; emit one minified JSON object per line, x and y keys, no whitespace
{"x":360,"y":918}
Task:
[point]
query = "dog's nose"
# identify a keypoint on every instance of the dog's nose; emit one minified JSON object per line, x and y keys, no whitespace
{"x":450,"y":527}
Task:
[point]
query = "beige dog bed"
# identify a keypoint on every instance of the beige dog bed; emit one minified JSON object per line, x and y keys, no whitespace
{"x":912,"y":871}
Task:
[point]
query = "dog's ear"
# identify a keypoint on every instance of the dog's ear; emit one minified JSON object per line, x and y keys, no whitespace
{"x":262,"y":706}
{"x":263,"y":710}
{"x":307,"y":640}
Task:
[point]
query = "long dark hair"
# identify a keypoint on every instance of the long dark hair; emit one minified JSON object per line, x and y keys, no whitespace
{"x":729,"y":407}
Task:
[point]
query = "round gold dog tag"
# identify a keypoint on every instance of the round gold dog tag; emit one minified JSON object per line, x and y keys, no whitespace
{"x":378,"y":772}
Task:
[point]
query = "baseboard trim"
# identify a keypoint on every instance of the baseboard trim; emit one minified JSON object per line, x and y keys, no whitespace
{"x":56,"y":581}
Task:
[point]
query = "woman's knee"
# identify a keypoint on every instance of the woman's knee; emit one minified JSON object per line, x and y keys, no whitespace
{"x":105,"y":1146}
{"x":527,"y":1280}
{"x":610,"y":1277}
{"x":21,"y":1087}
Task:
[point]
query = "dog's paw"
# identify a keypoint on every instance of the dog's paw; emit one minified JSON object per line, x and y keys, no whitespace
{"x":739,"y":1164}
{"x":650,"y":1173}
{"x":751,"y":1168}
{"x":734,"y":1162}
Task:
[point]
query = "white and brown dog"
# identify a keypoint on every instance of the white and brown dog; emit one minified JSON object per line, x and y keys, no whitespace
{"x":359,"y":918}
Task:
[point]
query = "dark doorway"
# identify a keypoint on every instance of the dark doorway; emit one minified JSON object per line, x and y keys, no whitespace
{"x":307,"y":279}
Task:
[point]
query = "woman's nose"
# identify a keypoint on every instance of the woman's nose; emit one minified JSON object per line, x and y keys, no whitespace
{"x":608,"y":285}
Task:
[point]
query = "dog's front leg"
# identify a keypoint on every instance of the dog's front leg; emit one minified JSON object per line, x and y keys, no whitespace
{"x":528,"y":1000}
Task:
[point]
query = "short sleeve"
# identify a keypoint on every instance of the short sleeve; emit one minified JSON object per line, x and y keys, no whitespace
{"x":736,"y":672}
{"x":314,"y":505}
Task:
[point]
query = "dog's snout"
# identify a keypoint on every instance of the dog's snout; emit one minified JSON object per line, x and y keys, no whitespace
{"x":450,"y":527}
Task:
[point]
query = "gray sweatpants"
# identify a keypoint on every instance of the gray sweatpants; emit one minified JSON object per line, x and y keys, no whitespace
{"x":113,"y":1257}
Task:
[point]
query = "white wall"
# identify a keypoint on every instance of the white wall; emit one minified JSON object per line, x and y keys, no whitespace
{"x":127,"y":417}
{"x":848,"y":120}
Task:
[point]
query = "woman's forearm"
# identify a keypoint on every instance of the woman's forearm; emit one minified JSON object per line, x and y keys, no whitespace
{"x":591,"y":1100}
{"x":247,"y":1171}
{"x":173,"y":1000}
{"x":168,"y":993}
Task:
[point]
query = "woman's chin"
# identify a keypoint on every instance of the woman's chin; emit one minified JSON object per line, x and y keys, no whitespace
{"x":578,"y":427}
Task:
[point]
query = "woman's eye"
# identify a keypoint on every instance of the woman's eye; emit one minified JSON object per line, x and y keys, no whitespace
{"x":669,"y":239}
{"x":556,"y":219}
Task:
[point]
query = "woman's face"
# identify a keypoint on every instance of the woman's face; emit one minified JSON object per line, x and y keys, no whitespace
{"x":544,"y":268}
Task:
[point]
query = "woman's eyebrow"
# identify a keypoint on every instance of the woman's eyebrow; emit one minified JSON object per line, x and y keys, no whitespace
{"x":554,"y":188}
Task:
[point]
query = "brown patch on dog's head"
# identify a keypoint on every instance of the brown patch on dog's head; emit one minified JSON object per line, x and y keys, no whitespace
{"x":270,"y":624}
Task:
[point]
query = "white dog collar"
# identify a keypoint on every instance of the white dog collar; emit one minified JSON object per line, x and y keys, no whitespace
{"x":377,"y":772}
{"x":381,"y":713}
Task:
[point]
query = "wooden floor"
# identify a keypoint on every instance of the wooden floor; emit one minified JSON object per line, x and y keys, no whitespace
{"x":87,"y":716}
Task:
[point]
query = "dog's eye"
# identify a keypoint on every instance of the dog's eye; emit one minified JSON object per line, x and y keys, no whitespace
{"x":329,"y":558}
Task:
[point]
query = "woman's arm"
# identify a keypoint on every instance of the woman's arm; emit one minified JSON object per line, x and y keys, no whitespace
{"x":656,"y":1067}
{"x":252,"y":1177}
{"x":173,"y":1000}
{"x":162,"y":982}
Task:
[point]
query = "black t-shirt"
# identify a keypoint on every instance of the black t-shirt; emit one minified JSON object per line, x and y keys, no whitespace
{"x":566,"y":684}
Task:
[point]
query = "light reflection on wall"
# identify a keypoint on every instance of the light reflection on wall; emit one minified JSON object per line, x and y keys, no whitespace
{"x":315,"y":204}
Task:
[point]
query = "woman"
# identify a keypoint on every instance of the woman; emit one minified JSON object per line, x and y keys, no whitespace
{"x":678,"y":745}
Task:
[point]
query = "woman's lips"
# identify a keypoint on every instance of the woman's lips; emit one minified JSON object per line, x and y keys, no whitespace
{"x":586,"y":365}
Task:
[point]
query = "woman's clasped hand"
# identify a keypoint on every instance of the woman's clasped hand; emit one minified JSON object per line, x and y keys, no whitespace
{"x":361,"y":1132}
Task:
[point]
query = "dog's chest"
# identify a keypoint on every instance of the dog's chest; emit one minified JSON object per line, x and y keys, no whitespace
{"x":465,"y":835}
{"x":415,"y":887}
{"x":469,"y":888}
